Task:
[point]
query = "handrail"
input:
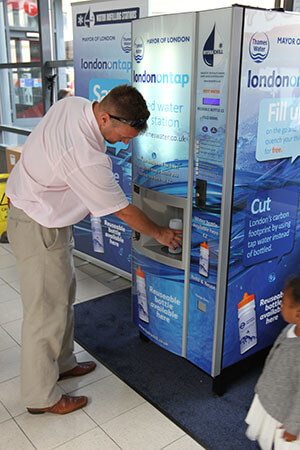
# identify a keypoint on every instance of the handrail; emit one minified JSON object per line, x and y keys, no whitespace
{"x":17,"y":130}
{"x":60,"y":63}
{"x":48,"y":64}
{"x":21,"y":65}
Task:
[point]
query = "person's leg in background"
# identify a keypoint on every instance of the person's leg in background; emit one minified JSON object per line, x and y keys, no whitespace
{"x":66,"y":359}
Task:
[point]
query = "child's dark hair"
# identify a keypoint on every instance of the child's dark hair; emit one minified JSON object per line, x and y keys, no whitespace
{"x":293,"y":286}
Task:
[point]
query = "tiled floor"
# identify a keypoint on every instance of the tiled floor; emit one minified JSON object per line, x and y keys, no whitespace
{"x":116,"y":417}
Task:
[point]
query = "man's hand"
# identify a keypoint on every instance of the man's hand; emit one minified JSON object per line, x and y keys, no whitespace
{"x":171,"y":238}
{"x":138,"y":221}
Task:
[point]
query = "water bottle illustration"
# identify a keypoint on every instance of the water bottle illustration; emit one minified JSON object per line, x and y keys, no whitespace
{"x":176,"y":224}
{"x":204,"y":259}
{"x":247,"y":323}
{"x":142,"y":295}
{"x":97,"y":234}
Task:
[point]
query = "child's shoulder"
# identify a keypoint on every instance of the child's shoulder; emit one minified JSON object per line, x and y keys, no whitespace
{"x":285,"y":330}
{"x":284,"y":333}
{"x":288,"y":337}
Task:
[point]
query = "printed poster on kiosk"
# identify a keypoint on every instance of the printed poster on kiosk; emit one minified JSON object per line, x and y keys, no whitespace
{"x":158,"y":301}
{"x":265,"y":240}
{"x":102,"y":60}
{"x":210,"y":126}
{"x":162,"y":66}
{"x":162,"y":69}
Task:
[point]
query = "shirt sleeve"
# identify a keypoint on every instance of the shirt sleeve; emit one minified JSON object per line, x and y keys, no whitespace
{"x":97,"y":188}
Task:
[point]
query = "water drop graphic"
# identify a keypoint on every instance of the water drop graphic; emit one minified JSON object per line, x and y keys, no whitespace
{"x":271,"y":277}
{"x":213,"y":49}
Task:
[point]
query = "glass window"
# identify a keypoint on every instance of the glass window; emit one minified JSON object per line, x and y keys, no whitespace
{"x":27,"y":93}
{"x":25,"y":84}
{"x":68,"y":30}
{"x":22,"y":13}
{"x":24,"y":50}
{"x":68,"y":26}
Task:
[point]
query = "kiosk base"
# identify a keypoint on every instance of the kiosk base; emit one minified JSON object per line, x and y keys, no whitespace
{"x":231,"y":373}
{"x":219,"y":385}
{"x":143,"y":337}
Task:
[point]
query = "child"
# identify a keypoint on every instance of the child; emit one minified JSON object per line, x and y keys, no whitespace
{"x":274,"y":416}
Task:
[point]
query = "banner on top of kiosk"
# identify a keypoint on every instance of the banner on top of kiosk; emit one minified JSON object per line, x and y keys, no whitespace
{"x":102,"y":61}
{"x":265,"y":238}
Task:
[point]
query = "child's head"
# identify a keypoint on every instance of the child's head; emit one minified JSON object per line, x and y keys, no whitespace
{"x":290,"y":306}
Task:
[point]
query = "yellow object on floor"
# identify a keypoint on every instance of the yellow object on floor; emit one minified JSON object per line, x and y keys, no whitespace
{"x":3,"y":207}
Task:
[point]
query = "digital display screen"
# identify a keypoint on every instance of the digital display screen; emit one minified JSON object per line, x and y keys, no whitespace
{"x":211,"y":101}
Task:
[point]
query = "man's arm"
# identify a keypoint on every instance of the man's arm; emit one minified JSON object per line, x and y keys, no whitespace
{"x":138,"y":221}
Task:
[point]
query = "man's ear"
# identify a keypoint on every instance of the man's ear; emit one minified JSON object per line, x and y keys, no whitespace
{"x":103,"y":118}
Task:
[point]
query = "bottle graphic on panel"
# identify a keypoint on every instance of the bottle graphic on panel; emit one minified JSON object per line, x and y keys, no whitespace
{"x":142,"y":295}
{"x":247,"y":323}
{"x":97,"y":234}
{"x":204,"y":259}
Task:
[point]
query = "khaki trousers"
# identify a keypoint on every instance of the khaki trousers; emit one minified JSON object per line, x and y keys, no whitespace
{"x":47,"y":279}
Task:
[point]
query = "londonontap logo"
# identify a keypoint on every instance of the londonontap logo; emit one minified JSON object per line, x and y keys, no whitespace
{"x":84,"y":19}
{"x":126,"y":43}
{"x":138,"y":49}
{"x":213,"y":49}
{"x":259,"y":47}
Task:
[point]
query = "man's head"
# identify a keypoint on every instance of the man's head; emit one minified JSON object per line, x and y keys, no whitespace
{"x":122,"y":114}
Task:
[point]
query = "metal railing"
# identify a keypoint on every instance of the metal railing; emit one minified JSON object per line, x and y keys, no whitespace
{"x":16,"y":130}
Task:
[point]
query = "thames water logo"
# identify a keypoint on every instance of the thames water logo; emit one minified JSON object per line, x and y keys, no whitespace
{"x":259,"y":47}
{"x":138,"y":49}
{"x":213,"y":49}
{"x":126,"y":43}
{"x":84,"y":19}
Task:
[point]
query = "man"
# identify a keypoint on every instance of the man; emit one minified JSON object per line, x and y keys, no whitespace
{"x":63,"y":174}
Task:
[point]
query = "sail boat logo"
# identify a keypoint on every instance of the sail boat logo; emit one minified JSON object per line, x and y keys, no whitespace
{"x":259,"y":47}
{"x":213,"y":53}
{"x":84,"y":19}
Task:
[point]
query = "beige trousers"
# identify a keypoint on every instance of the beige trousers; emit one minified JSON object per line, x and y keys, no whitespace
{"x":47,"y":279}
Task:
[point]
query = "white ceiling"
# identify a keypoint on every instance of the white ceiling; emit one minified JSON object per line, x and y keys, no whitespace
{"x":172,"y":6}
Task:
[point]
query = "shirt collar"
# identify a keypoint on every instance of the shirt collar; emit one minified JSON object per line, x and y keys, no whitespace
{"x":95,"y":126}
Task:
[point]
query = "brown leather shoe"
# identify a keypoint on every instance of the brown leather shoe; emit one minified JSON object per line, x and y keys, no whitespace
{"x":81,"y":369}
{"x":65,"y":405}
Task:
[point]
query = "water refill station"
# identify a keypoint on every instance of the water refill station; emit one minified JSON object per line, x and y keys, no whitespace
{"x":221,"y":155}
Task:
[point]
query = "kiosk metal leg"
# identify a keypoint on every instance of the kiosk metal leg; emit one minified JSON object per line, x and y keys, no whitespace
{"x":219,"y":385}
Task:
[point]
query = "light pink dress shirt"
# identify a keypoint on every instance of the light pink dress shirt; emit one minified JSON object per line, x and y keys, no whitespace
{"x":63,"y":172}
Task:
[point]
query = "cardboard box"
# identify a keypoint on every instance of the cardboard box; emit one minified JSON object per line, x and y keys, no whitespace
{"x":12,"y":156}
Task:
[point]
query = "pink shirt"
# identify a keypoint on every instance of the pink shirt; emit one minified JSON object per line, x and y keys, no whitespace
{"x":64,"y":173}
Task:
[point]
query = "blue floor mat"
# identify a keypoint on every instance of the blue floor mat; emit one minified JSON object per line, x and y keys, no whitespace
{"x":181,"y":391}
